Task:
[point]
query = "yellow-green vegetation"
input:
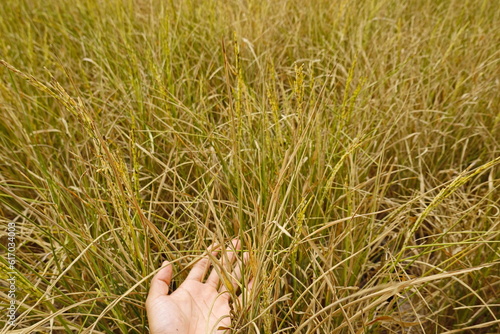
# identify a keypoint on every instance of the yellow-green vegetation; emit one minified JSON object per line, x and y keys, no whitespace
{"x":353,"y":147}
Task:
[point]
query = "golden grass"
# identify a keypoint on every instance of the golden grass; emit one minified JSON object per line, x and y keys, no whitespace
{"x":353,"y":146}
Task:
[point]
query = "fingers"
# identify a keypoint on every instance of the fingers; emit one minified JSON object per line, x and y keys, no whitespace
{"x":225,"y":264}
{"x":201,"y":267}
{"x":246,"y":291}
{"x":232,"y":280}
{"x":199,"y":270}
{"x":224,"y":269}
{"x":238,"y":267}
{"x":161,"y":281}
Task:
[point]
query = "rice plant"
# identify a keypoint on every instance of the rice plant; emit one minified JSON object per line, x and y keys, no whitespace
{"x":352,"y":146}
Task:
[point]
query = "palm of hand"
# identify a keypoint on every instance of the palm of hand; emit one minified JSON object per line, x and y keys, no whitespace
{"x":195,"y":307}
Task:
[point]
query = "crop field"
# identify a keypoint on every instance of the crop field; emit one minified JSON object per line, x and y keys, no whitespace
{"x":353,"y":147}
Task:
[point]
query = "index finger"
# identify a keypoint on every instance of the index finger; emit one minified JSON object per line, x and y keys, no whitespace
{"x":200,"y":268}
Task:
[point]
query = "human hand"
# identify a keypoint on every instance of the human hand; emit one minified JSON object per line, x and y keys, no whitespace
{"x":195,"y":307}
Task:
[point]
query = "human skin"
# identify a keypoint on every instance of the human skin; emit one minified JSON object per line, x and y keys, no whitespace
{"x":196,"y":307}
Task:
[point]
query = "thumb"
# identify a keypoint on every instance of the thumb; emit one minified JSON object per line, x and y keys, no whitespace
{"x":161,"y":281}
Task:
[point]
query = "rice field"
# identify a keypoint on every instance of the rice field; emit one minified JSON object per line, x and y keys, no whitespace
{"x":353,"y":147}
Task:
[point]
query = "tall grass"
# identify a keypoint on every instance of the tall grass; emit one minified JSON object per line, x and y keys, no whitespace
{"x":353,"y":147}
